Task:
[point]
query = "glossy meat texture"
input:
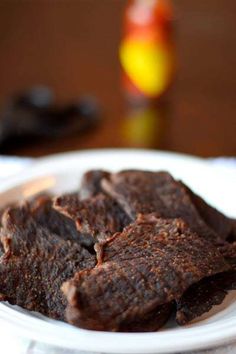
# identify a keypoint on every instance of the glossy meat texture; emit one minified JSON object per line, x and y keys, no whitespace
{"x":36,"y":262}
{"x":91,"y":183}
{"x":96,"y":218}
{"x":147,"y":192}
{"x":202,"y":296}
{"x":151,"y":263}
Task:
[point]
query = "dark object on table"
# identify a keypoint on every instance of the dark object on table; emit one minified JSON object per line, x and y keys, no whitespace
{"x":33,"y":115}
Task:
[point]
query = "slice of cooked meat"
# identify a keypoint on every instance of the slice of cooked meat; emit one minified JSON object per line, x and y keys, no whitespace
{"x":228,"y":250}
{"x":232,"y":236}
{"x":91,"y":183}
{"x":147,"y":192}
{"x":36,"y":262}
{"x":136,"y":191}
{"x":43,"y":212}
{"x":220,"y":223}
{"x":152,"y":262}
{"x":202,"y":296}
{"x":149,"y":322}
{"x":98,"y":217}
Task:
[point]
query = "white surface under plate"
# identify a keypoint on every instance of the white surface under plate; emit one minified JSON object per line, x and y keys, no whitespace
{"x":61,"y":173}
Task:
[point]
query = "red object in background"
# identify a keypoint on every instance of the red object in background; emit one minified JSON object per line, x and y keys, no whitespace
{"x":147,"y":48}
{"x":148,"y":17}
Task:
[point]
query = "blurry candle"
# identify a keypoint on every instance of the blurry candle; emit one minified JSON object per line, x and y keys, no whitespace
{"x":147,"y":49}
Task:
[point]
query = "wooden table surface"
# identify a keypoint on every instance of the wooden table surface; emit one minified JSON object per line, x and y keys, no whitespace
{"x":72,"y":46}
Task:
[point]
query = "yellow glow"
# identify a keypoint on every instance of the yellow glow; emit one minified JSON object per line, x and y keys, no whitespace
{"x":148,"y":64}
{"x":142,"y":127}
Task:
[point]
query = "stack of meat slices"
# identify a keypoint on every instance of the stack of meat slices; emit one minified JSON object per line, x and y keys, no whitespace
{"x":122,"y":254}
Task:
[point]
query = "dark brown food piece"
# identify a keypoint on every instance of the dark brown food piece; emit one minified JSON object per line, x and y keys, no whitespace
{"x":232,"y":236}
{"x":2,"y":210}
{"x":228,"y":250}
{"x":96,"y":218}
{"x":147,"y":192}
{"x":202,"y":296}
{"x":152,"y":262}
{"x":43,"y":212}
{"x":149,"y":322}
{"x":36,"y":262}
{"x":91,"y":183}
{"x":221,"y":224}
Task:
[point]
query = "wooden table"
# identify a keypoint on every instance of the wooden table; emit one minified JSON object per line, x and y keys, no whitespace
{"x":72,"y":47}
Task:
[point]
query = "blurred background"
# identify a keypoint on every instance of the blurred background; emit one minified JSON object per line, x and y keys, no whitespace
{"x":65,"y":79}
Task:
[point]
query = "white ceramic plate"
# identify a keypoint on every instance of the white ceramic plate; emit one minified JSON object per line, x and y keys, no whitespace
{"x":61,"y":173}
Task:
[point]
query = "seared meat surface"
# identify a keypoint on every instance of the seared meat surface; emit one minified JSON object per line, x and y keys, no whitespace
{"x":36,"y":262}
{"x":97,"y":217}
{"x":151,"y":263}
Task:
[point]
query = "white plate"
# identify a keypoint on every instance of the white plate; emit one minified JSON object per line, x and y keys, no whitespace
{"x":60,"y":173}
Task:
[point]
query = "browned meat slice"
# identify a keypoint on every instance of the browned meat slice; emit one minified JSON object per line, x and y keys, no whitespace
{"x":96,"y":218}
{"x":221,"y":224}
{"x":42,"y":211}
{"x":152,"y":262}
{"x":232,"y":236}
{"x":36,"y":262}
{"x":202,"y":296}
{"x":91,"y":183}
{"x":149,"y":322}
{"x":146,"y":192}
{"x":228,"y":250}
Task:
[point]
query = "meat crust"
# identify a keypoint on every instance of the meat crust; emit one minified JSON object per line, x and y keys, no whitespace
{"x":151,"y":263}
{"x":91,"y":183}
{"x":202,"y":296}
{"x":96,"y":218}
{"x":147,"y":192}
{"x":36,"y":262}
